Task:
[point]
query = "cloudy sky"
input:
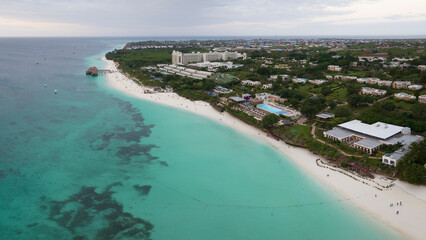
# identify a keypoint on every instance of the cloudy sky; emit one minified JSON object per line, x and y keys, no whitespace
{"x":211,"y":17}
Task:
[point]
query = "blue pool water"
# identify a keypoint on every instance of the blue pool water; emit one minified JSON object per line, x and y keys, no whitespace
{"x":271,"y":109}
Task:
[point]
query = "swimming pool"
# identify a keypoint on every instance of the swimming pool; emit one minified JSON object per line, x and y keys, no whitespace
{"x":271,"y":109}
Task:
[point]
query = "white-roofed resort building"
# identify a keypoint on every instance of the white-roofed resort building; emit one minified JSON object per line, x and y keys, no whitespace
{"x":369,"y":137}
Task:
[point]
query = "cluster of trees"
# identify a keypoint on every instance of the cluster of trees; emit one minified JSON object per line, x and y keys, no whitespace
{"x":387,"y":111}
{"x":270,"y":120}
{"x":312,"y":106}
{"x":411,"y":167}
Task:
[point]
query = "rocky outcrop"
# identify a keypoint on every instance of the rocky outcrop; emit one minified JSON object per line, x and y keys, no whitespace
{"x":92,"y":71}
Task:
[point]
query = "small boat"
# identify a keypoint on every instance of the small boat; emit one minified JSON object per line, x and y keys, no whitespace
{"x":45,"y":85}
{"x":55,"y":91}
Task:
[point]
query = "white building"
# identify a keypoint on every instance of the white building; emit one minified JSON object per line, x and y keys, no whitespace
{"x":185,"y":58}
{"x":275,"y":77}
{"x":299,"y":80}
{"x":372,"y":91}
{"x":334,"y":68}
{"x":267,"y":86}
{"x":263,"y":96}
{"x":362,"y":80}
{"x":373,"y":81}
{"x":422,"y":67}
{"x":415,"y":87}
{"x":369,"y":137}
{"x":317,"y":81}
{"x":384,"y":83}
{"x":404,"y":96}
{"x":251,"y":83}
{"x":422,"y":98}
{"x":186,"y":72}
{"x":401,"y":84}
{"x":222,"y":90}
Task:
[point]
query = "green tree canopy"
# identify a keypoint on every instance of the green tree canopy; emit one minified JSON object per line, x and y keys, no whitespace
{"x":269,"y":120}
{"x":342,"y":111}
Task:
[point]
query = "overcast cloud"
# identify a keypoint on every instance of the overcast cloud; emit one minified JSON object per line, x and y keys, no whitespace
{"x":213,"y":17}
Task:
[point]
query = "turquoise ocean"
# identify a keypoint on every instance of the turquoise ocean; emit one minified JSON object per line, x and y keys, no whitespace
{"x":93,"y":163}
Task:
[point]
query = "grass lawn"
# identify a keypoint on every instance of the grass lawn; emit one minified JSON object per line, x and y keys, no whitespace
{"x":338,"y":94}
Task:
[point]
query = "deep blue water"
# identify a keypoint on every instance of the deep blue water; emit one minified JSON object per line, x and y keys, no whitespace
{"x":92,"y":163}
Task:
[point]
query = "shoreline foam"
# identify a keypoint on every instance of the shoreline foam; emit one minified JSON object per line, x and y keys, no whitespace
{"x":359,"y":191}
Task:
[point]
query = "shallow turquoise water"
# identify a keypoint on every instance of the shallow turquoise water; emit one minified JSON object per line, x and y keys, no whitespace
{"x":93,"y":163}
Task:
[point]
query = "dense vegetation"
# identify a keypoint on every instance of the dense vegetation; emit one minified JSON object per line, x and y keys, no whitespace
{"x":411,"y":168}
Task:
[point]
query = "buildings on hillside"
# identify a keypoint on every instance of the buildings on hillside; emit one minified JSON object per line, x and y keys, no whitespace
{"x":404,"y":96}
{"x":334,"y":68}
{"x":299,"y":80}
{"x":317,"y":81}
{"x":372,"y":91}
{"x":369,"y":137}
{"x":186,"y":58}
{"x":401,"y":84}
{"x":415,"y":87}
{"x":384,"y":83}
{"x":251,"y":83}
{"x":421,"y":67}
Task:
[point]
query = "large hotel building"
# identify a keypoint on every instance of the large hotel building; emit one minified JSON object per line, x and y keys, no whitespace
{"x":185,"y":58}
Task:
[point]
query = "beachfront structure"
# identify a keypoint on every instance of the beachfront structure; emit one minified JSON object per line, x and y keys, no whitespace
{"x":422,"y":98}
{"x":299,"y":80}
{"x":251,"y":83}
{"x":237,"y":99}
{"x":401,"y":84}
{"x":369,"y":137}
{"x":404,"y":96}
{"x":169,"y":89}
{"x":186,"y":58}
{"x":415,"y":87}
{"x":384,"y":83}
{"x":334,"y":68}
{"x":279,"y":110}
{"x":186,"y":72}
{"x":222,"y":90}
{"x":393,"y":158}
{"x":372,"y":91}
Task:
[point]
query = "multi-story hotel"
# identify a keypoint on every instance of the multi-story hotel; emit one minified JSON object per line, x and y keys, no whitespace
{"x":185,"y":58}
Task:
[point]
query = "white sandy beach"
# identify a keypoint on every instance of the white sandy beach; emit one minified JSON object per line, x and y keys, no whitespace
{"x":362,"y":193}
